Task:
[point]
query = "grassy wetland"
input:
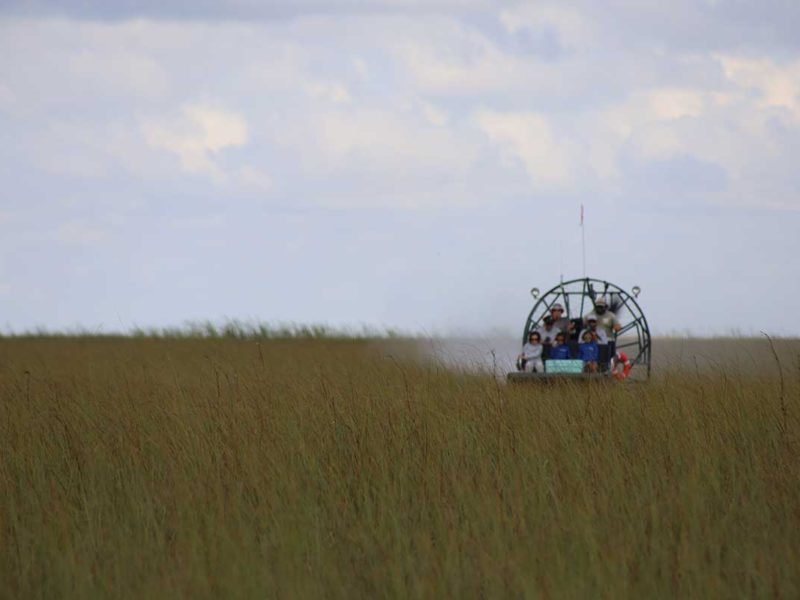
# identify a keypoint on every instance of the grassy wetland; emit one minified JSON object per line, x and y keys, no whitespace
{"x":245,"y":468}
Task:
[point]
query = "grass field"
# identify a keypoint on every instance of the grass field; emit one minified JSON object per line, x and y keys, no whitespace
{"x":348,"y":468}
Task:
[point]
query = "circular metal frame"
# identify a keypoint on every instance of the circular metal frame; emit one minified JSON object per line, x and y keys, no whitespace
{"x":578,"y":297}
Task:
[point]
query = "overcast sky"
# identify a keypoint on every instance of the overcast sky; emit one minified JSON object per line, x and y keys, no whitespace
{"x":403,"y":163}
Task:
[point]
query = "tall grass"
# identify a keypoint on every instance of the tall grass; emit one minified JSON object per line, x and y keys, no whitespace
{"x":308,"y":468}
{"x":235,"y":329}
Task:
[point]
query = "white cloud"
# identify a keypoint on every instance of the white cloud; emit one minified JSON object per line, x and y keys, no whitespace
{"x":649,"y":121}
{"x":402,"y":107}
{"x":529,"y":138}
{"x":197,"y":135}
{"x":778,"y":85}
{"x":619,"y":103}
{"x":462,"y":62}
{"x":380,"y":139}
{"x":452,"y":61}
{"x":718,"y":127}
{"x":675,"y":103}
{"x":247,"y":9}
{"x":574,"y":29}
{"x":643,"y":108}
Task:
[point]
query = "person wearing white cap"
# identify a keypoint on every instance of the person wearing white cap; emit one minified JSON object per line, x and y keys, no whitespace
{"x":607,"y":327}
{"x":561,"y":322}
{"x":606,"y":320}
{"x":547,"y":333}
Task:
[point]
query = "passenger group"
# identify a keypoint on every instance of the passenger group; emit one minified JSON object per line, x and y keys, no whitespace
{"x":590,"y":339}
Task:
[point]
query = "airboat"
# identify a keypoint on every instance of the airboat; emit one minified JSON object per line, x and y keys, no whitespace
{"x":626,"y":353}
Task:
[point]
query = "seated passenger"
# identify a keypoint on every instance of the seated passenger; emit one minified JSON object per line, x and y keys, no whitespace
{"x":588,"y":352}
{"x":559,"y":320}
{"x":530,"y":360}
{"x":598,"y":335}
{"x":548,"y":331}
{"x":560,"y":350}
{"x":607,"y":327}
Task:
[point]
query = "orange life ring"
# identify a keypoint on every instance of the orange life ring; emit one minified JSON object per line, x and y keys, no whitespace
{"x":620,"y":366}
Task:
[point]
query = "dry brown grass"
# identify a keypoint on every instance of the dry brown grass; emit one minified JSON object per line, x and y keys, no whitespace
{"x":139,"y":468}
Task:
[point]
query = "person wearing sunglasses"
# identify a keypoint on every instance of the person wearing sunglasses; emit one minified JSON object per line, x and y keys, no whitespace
{"x":530,"y":359}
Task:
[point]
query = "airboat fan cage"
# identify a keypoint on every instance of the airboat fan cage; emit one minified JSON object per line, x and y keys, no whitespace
{"x":578,"y":297}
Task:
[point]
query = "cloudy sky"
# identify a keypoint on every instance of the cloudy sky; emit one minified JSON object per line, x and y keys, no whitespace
{"x":417,"y":164}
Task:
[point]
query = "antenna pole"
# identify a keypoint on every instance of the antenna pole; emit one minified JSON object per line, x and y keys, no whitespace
{"x":583,"y":243}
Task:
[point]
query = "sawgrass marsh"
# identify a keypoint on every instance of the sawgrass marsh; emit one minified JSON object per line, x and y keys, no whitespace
{"x":251,"y":468}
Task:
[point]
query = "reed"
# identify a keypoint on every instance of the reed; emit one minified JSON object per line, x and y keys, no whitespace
{"x":315,"y":467}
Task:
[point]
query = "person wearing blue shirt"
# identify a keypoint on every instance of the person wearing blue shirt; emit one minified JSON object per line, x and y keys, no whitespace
{"x":589,"y":352}
{"x":560,"y":349}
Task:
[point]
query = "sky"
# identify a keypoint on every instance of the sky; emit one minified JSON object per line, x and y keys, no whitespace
{"x":411,"y":164}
